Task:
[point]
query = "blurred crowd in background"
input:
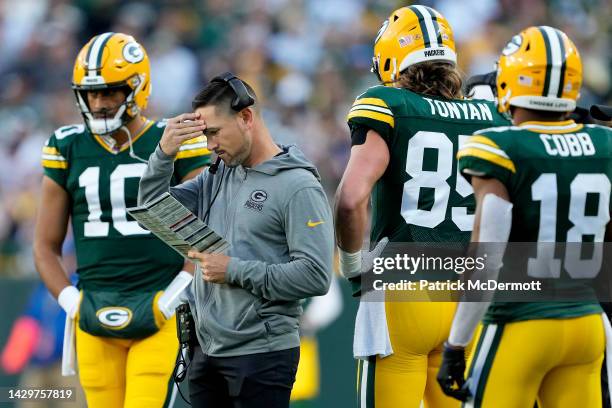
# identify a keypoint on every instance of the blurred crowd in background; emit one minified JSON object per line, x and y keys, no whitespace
{"x":307,"y":60}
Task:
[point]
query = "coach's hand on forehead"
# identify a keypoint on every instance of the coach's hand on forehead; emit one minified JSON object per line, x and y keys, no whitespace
{"x":180,"y":129}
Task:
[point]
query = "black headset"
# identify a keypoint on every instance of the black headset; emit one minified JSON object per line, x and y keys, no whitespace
{"x":243,"y":98}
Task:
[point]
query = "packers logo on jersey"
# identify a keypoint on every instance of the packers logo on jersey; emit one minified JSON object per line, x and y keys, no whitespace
{"x":114,"y":317}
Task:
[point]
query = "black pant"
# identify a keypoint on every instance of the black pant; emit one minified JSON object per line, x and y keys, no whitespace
{"x":249,"y":381}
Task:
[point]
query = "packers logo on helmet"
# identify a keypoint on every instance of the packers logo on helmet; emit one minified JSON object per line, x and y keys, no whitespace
{"x":411,"y":35}
{"x":112,"y":60}
{"x":539,"y":69}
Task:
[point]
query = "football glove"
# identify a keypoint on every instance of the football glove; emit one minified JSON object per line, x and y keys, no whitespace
{"x":452,"y":369}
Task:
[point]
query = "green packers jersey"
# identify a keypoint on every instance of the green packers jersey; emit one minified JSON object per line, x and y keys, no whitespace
{"x":421,"y":197}
{"x":113,"y":251}
{"x":558,"y":176}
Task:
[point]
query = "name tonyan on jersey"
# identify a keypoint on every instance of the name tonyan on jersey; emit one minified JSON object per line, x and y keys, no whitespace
{"x":460,"y":110}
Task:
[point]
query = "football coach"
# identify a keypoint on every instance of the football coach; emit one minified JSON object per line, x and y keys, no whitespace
{"x":266,"y":200}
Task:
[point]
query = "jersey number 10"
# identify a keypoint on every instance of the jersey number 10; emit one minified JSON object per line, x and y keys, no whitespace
{"x":90,"y":179}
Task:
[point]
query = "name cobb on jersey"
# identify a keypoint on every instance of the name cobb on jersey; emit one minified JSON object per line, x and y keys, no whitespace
{"x":570,"y":144}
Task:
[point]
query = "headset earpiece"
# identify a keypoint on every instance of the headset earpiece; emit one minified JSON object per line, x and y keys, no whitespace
{"x":243,"y":98}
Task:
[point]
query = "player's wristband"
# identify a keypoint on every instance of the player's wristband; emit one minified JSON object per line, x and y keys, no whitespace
{"x":69,"y":299}
{"x":350,"y":263}
{"x":171,"y":298}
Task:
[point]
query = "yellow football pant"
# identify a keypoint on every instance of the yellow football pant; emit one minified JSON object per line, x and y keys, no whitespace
{"x":417,"y":331}
{"x":306,"y":386}
{"x":557,"y":361}
{"x":127,"y":373}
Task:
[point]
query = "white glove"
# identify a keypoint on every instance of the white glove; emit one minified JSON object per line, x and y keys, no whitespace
{"x":355,"y":263}
{"x":173,"y":295}
{"x":69,"y":299}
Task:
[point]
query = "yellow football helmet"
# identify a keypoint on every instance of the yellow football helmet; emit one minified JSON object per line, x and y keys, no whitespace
{"x":112,"y":60}
{"x":539,"y":69}
{"x":411,"y":35}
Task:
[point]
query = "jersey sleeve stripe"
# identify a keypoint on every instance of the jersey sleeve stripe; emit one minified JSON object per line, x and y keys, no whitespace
{"x":51,"y":150}
{"x":372,"y":108}
{"x":488,"y":156}
{"x":55,"y":164}
{"x":185,"y":154}
{"x":487,"y":148}
{"x":371,"y":101}
{"x":381,"y":117}
{"x":483,"y":140}
{"x":53,"y":157}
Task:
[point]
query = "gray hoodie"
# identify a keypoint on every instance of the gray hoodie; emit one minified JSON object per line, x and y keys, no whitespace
{"x":278,"y":222}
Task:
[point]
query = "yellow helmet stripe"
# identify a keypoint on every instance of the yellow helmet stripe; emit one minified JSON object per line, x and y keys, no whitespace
{"x":555,"y":60}
{"x":426,"y":25}
{"x":94,"y":60}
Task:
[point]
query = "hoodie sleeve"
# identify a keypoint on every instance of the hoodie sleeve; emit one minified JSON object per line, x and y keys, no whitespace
{"x":309,"y":230}
{"x":156,"y":181}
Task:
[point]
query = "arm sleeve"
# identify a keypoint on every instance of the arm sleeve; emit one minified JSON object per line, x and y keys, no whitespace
{"x":54,"y":163}
{"x":358,"y":134}
{"x":495,"y":226}
{"x":309,"y":231}
{"x":482,"y":156}
{"x":157,"y":178}
{"x":192,"y":154}
{"x":466,"y":319}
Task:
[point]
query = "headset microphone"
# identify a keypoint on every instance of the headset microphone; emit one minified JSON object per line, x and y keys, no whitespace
{"x":215,"y":166}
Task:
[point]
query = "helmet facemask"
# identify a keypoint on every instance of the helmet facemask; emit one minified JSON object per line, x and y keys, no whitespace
{"x":126,"y":111}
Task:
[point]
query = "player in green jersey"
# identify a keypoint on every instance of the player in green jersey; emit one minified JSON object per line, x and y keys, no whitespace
{"x":405,"y":135}
{"x":545,"y":179}
{"x":124,"y":326}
